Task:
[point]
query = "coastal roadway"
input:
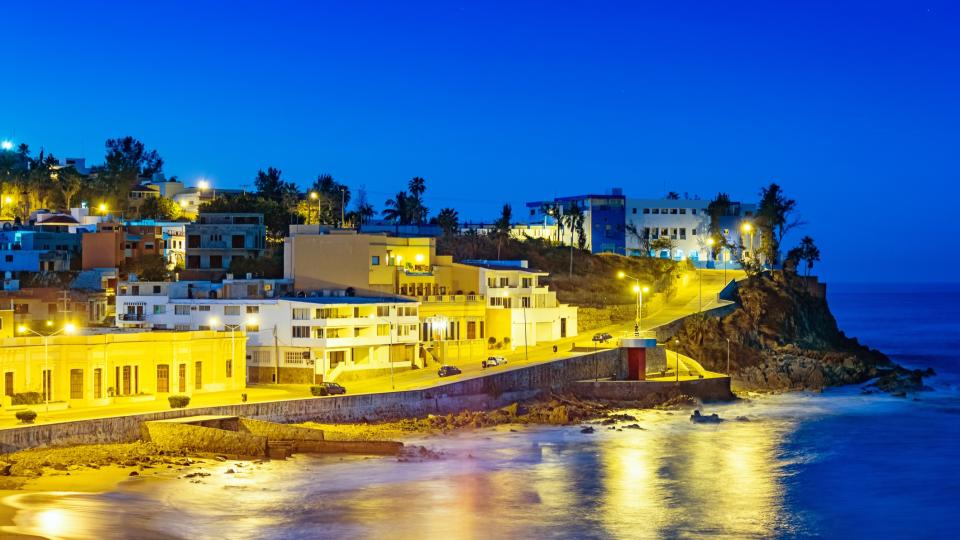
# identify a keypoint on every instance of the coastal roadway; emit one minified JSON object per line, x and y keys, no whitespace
{"x":686,"y":301}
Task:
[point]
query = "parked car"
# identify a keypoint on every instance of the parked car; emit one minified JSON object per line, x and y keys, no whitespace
{"x":446,"y":371}
{"x":602,"y":337}
{"x":333,"y":388}
{"x":493,"y":361}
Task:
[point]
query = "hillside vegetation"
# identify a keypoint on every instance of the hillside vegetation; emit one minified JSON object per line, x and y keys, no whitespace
{"x":593,"y":281}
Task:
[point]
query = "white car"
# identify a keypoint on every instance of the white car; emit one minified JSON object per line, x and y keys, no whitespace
{"x":493,"y":361}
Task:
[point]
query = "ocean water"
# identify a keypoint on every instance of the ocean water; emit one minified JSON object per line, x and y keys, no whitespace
{"x":832,"y":465}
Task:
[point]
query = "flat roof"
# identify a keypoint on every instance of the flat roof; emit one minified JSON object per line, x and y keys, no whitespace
{"x":350,"y":299}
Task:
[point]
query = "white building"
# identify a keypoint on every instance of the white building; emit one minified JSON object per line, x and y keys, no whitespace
{"x":519,"y":308}
{"x":290,"y":339}
{"x":686,"y":223}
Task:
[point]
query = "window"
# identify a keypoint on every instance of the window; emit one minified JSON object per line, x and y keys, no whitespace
{"x":656,"y":210}
{"x":198,"y":375}
{"x":237,"y":242}
{"x":293,"y":357}
{"x":336,"y":357}
{"x":334,"y":332}
{"x":9,"y":258}
{"x":251,"y":290}
{"x":383,"y":329}
{"x":204,"y":308}
{"x":231,"y":311}
{"x":193,"y":241}
{"x":383,"y":311}
{"x":252,"y":327}
{"x":181,"y":310}
{"x":693,"y":211}
{"x":216,"y":261}
{"x":261,"y":358}
{"x":683,"y":210}
{"x":156,"y":289}
{"x":504,"y":282}
{"x":527,"y":283}
{"x":633,"y":210}
{"x":300,"y":331}
{"x":229,"y":369}
{"x":76,"y":384}
{"x":525,"y":301}
{"x":181,"y":327}
{"x":97,"y":383}
{"x":301,"y":314}
{"x":375,"y":260}
{"x":182,"y":378}
{"x":646,"y":210}
{"x":193,"y":261}
{"x":673,"y":211}
{"x":693,"y":232}
{"x":159,"y":309}
{"x":318,"y":333}
{"x":253,"y":309}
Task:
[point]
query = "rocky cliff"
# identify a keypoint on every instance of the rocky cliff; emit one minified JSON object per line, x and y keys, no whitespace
{"x":783,"y":336}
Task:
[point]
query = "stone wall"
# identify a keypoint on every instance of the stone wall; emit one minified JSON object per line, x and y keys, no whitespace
{"x":175,"y":436}
{"x":279,"y":432}
{"x":647,"y":393}
{"x":496,"y":389}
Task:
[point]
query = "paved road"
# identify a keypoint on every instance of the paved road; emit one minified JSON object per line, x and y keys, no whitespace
{"x":687,"y":301}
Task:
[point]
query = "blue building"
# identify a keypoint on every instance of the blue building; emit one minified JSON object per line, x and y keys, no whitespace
{"x":604,"y":223}
{"x":29,"y":250}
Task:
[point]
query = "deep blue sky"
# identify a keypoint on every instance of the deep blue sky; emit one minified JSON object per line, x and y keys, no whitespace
{"x":851,"y":106}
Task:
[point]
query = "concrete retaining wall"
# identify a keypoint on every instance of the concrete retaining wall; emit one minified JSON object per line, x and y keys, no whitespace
{"x":646,"y":393}
{"x":496,"y":389}
{"x":279,"y":432}
{"x":173,"y":436}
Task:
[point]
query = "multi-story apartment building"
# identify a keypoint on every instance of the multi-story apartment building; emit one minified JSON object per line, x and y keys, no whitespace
{"x":214,"y":240}
{"x":35,"y":250}
{"x":686,"y":223}
{"x":520,"y":310}
{"x":114,"y":244}
{"x":603,"y":219}
{"x":34,"y":307}
{"x":455,"y":313}
{"x":291,"y":337}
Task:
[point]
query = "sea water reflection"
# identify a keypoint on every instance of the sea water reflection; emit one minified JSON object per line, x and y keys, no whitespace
{"x":669,"y":479}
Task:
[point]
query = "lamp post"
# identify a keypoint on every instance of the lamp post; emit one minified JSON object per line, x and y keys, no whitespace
{"x":676,"y":345}
{"x":638,"y":290}
{"x":233,"y":337}
{"x":747,"y":228}
{"x":316,"y":197}
{"x":47,"y":379}
{"x":343,"y":202}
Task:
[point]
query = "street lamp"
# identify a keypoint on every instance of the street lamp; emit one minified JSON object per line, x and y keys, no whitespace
{"x":316,"y":197}
{"x":638,"y":290}
{"x":747,"y":228}
{"x":68,"y":328}
{"x":251,"y":321}
{"x":6,"y":145}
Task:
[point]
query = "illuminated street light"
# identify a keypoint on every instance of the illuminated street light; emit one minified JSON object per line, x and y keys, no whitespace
{"x":68,"y":328}
{"x":6,"y":145}
{"x":316,"y":197}
{"x":203,"y":185}
{"x":638,"y":290}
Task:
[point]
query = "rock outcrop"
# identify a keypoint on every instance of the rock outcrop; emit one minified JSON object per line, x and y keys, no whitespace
{"x":782,"y":336}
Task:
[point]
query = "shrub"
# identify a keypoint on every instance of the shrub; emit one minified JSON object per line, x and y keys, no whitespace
{"x":26,"y":417}
{"x":491,"y":341}
{"x":27,"y":398}
{"x":178,"y":402}
{"x":318,"y":390}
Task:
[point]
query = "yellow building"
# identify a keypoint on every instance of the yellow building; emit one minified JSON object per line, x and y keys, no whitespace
{"x":103,"y":368}
{"x":458,"y":314}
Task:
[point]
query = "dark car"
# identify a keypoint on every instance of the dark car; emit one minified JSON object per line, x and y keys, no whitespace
{"x":603,"y":337}
{"x":333,"y":388}
{"x":446,"y":371}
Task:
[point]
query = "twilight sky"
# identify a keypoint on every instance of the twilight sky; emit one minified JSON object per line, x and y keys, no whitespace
{"x":851,"y":106}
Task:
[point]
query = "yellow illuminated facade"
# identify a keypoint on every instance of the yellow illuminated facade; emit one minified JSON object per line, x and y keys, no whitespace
{"x":121,"y":366}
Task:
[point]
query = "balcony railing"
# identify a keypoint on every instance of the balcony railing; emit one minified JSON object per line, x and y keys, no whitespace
{"x":451,"y":298}
{"x":132,"y":317}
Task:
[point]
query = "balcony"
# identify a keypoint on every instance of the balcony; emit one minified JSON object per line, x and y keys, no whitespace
{"x":451,"y":298}
{"x":132,"y":317}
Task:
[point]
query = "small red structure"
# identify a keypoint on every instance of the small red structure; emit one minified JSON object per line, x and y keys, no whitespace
{"x":637,"y":356}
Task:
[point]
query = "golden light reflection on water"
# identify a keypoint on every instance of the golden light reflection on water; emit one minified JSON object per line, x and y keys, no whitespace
{"x":719,"y":479}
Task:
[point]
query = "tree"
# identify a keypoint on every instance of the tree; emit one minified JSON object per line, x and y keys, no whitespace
{"x":718,"y":208}
{"x":774,"y":220}
{"x":643,"y":240}
{"x":69,"y":182}
{"x":501,"y":228}
{"x":397,"y":209}
{"x":332,"y":198}
{"x":275,"y":216}
{"x":148,"y":268}
{"x":418,"y":212}
{"x":576,"y":221}
{"x":553,"y":210}
{"x":809,"y":253}
{"x":127,"y":159}
{"x":449,"y":221}
{"x":673,"y":196}
{"x":663,"y":243}
{"x":160,"y":209}
{"x":364,"y":210}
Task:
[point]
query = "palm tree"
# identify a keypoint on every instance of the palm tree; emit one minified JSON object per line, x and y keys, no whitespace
{"x":501,"y":228}
{"x":449,"y":221}
{"x":397,"y":210}
{"x":418,"y":212}
{"x":809,"y":253}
